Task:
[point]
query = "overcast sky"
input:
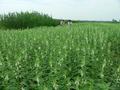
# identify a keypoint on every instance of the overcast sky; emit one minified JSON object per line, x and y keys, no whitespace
{"x":66,"y":9}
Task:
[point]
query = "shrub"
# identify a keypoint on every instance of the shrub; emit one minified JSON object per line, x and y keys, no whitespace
{"x":26,"y":20}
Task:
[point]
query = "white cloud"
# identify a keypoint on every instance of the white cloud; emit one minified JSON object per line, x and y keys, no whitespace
{"x":69,"y":9}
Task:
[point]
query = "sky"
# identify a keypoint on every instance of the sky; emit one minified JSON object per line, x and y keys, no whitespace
{"x":99,"y":10}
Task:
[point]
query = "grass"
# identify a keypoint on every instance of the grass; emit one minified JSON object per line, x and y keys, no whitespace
{"x":83,"y":56}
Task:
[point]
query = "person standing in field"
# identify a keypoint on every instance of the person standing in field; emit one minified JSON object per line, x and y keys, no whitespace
{"x":62,"y":22}
{"x":69,"y":22}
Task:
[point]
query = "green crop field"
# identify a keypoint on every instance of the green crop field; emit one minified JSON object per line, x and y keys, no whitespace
{"x":83,"y":56}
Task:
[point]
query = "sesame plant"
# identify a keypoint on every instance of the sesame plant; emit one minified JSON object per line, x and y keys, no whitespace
{"x":83,"y":56}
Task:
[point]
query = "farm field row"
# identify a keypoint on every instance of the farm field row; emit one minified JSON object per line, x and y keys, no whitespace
{"x":83,"y":56}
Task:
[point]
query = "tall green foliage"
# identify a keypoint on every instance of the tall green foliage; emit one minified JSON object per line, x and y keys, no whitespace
{"x":82,"y":56}
{"x":26,"y":20}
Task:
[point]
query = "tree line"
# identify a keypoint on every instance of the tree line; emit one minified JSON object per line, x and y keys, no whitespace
{"x":23,"y":20}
